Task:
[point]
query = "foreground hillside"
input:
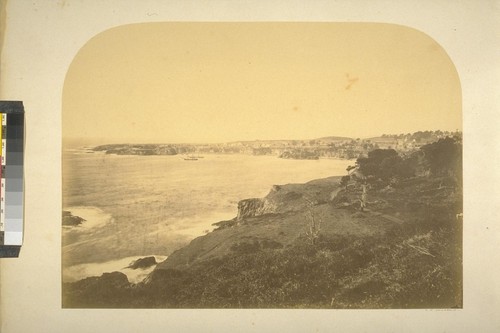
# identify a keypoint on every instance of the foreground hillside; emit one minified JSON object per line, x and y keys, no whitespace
{"x":312,"y":246}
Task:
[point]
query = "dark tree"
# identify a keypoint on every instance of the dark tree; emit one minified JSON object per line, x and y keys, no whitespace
{"x":372,"y":165}
{"x":385,"y":164}
{"x":444,"y":157}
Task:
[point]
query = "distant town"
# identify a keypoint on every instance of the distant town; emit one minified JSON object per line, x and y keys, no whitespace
{"x":326,"y":147}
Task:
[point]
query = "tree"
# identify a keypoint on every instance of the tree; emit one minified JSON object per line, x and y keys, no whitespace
{"x":390,"y":167}
{"x":385,"y":164}
{"x":371,"y":165}
{"x":444,"y":157}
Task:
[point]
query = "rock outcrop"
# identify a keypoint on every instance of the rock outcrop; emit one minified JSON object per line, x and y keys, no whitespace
{"x":143,"y":263}
{"x":106,"y":291}
{"x":278,"y":217}
{"x":69,"y":219}
{"x":287,"y":198}
{"x":254,"y":207}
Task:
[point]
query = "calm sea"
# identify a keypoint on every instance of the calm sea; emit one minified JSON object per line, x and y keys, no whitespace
{"x":152,"y":205}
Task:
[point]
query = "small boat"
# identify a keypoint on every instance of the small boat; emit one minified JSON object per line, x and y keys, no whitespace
{"x":190,"y":158}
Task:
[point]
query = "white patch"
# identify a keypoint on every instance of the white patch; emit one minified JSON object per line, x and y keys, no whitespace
{"x":82,"y":271}
{"x":93,"y":216}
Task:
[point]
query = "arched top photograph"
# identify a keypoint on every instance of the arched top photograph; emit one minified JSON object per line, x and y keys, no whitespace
{"x":262,"y":165}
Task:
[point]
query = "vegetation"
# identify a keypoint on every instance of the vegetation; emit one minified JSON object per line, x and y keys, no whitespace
{"x":443,"y":157}
{"x":344,"y":181}
{"x":383,"y":271}
{"x":300,"y":154}
{"x":420,"y":136}
{"x":412,"y":258}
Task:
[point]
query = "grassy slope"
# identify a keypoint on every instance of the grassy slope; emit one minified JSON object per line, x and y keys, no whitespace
{"x":283,"y":228}
{"x":403,"y":253}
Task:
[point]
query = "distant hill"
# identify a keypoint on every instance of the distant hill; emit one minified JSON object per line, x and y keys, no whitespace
{"x":382,"y":139}
{"x":334,"y":138}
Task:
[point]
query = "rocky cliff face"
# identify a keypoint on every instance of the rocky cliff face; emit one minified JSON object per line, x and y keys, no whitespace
{"x":268,"y":223}
{"x":254,"y":207}
{"x":286,"y":198}
{"x":279,"y":216}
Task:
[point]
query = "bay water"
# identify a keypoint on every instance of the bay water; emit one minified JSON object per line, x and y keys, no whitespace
{"x":136,"y":206}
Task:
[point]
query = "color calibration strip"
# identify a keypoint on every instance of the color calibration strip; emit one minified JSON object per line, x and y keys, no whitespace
{"x":2,"y":172}
{"x":12,"y":178}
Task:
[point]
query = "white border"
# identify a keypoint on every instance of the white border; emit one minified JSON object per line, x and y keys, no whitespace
{"x":42,"y":37}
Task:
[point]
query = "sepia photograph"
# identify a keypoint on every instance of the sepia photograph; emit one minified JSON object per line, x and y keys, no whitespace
{"x":262,"y":165}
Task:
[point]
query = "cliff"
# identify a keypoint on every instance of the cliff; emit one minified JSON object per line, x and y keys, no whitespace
{"x":287,"y":198}
{"x":403,"y":251}
{"x":281,"y":217}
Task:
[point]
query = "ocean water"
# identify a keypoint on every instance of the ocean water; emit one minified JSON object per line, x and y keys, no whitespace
{"x":77,"y":272}
{"x":137,"y":206}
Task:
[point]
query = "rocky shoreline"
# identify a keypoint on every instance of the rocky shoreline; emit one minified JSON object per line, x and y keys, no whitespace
{"x":311,"y":246}
{"x":278,"y":225}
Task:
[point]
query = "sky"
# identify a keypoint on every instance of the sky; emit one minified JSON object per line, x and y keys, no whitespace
{"x":221,"y":82}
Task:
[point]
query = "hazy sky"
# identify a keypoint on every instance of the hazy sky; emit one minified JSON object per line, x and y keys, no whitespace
{"x":218,"y":82}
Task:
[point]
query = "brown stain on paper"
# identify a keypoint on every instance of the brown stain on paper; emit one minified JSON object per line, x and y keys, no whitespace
{"x":351,"y":81}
